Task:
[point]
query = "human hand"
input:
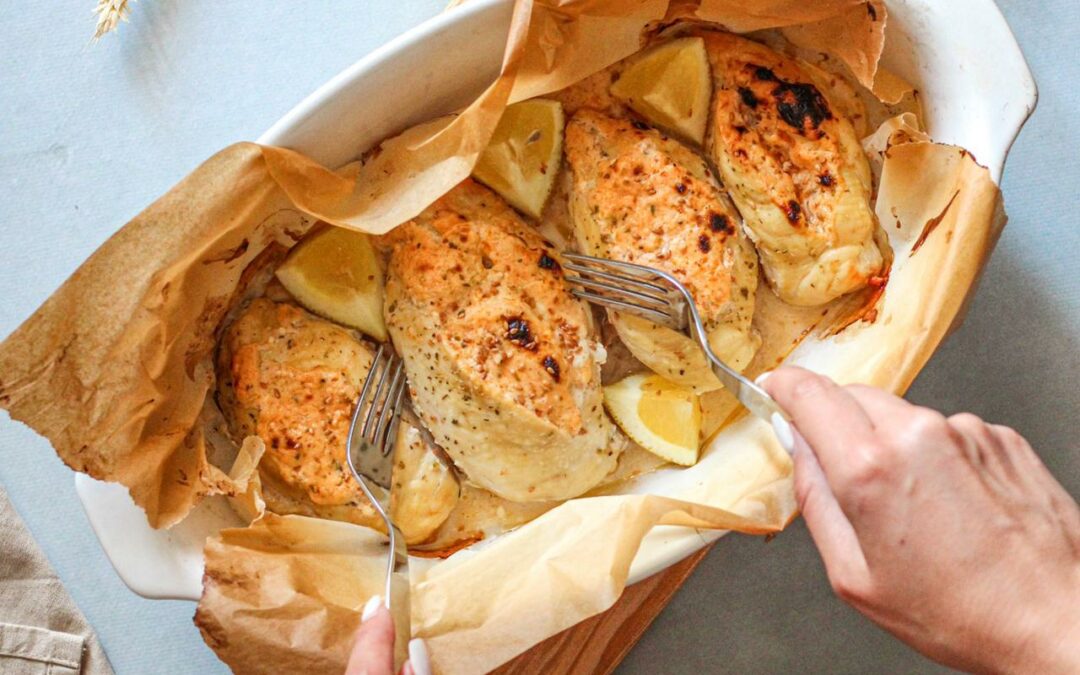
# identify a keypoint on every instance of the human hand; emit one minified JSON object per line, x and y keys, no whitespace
{"x":947,"y":532}
{"x":373,"y":648}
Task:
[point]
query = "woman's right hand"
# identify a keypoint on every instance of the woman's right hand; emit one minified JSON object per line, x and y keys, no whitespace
{"x":948,"y":532}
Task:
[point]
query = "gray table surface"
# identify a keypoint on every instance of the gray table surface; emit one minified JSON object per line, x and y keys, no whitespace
{"x":90,"y":134}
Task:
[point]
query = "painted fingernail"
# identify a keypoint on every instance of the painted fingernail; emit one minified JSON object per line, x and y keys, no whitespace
{"x":371,"y":607}
{"x":783,"y":432}
{"x":800,"y":443}
{"x":418,"y":657}
{"x":760,"y":380}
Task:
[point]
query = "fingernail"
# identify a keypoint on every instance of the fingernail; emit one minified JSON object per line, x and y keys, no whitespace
{"x":800,"y":443}
{"x":371,"y":607}
{"x":760,"y":381}
{"x":783,"y":432}
{"x":418,"y":657}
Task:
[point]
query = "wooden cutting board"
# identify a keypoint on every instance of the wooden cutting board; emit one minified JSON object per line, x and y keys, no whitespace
{"x":597,"y":645}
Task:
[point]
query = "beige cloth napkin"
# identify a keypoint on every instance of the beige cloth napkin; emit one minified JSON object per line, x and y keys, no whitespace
{"x":42,"y":632}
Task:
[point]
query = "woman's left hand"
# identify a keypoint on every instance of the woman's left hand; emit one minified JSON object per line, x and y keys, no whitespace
{"x":373,"y":650}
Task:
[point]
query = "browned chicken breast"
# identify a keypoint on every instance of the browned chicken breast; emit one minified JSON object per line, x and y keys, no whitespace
{"x":642,"y":197}
{"x":795,"y":169}
{"x":291,"y":379}
{"x":501,"y":359}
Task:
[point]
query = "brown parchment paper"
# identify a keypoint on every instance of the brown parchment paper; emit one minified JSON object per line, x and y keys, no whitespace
{"x":116,"y":367}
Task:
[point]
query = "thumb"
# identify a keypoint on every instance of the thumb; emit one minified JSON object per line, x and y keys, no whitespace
{"x":830,"y":529}
{"x":373,"y":649}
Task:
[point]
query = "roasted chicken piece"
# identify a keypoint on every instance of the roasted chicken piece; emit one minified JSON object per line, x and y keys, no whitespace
{"x":796,"y":171}
{"x":291,"y":379}
{"x":641,"y":197}
{"x":502,"y":361}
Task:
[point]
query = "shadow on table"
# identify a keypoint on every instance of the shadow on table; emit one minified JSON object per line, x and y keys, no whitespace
{"x":1015,"y":361}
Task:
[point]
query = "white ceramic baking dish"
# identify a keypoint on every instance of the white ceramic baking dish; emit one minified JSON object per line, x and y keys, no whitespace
{"x":975,"y":84}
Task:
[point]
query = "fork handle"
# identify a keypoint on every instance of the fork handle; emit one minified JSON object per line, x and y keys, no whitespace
{"x":756,"y":400}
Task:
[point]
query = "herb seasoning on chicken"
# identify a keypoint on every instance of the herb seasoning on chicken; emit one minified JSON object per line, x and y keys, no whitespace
{"x":501,"y":359}
{"x":642,"y":197}
{"x":796,"y":171}
{"x":291,"y":379}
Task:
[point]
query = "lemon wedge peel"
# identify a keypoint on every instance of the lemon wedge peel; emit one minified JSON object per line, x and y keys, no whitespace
{"x":670,"y":85}
{"x":524,"y":154}
{"x":660,"y":416}
{"x":336,"y":273}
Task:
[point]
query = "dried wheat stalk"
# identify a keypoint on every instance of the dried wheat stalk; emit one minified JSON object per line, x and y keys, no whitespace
{"x":109,"y":14}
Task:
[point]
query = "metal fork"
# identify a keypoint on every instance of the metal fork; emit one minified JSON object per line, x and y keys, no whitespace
{"x":659,"y":297}
{"x":370,"y":454}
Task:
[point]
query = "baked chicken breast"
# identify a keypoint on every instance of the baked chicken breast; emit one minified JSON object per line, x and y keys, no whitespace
{"x":641,"y":197}
{"x":292,"y":379}
{"x":795,"y":169}
{"x":501,"y":359}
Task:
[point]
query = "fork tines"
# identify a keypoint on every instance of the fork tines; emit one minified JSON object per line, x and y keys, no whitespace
{"x":369,"y":452}
{"x":624,"y":286}
{"x":386,"y":384}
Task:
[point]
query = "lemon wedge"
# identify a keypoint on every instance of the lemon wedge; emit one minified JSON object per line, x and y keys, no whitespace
{"x":336,"y":273}
{"x":524,"y":154}
{"x":670,"y":85}
{"x":662,"y":417}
